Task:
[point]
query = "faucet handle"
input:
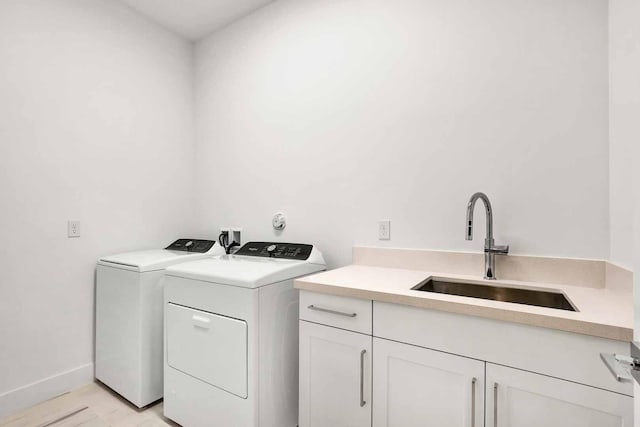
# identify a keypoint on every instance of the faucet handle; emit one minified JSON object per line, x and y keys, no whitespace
{"x":498,"y":250}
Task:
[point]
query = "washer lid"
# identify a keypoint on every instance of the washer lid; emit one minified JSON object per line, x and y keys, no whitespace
{"x":154,"y":259}
{"x":244,"y":271}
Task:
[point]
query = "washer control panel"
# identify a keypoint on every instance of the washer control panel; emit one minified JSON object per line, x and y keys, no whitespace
{"x":191,"y":245}
{"x":297,"y":251}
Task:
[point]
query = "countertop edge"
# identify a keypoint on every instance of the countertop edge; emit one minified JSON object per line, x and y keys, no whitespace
{"x":618,"y":333}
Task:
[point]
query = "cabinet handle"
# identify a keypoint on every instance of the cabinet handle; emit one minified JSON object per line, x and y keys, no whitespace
{"x":326,"y":310}
{"x":619,"y":366}
{"x":362,"y":401}
{"x":495,"y":404}
{"x":473,"y":402}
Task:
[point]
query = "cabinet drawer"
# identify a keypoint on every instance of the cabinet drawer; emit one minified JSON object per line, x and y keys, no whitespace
{"x":353,"y":314}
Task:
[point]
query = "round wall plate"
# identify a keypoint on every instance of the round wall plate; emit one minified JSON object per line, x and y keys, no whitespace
{"x":279,"y":221}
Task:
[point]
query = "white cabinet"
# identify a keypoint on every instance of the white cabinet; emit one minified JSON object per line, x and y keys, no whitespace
{"x":432,"y":368}
{"x":335,"y":377}
{"x":415,"y":387}
{"x":518,"y":398}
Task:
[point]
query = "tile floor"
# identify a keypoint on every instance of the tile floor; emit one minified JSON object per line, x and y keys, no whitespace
{"x":93,"y":405}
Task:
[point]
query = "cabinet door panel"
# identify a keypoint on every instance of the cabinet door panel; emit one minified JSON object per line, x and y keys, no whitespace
{"x":518,"y":398}
{"x":335,"y":373}
{"x":414,"y":386}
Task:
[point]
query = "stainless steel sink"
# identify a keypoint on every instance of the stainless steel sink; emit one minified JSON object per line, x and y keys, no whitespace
{"x":526,"y":296}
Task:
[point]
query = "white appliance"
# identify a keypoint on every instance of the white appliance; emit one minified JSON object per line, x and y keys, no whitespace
{"x":231,"y":337}
{"x":129,"y":317}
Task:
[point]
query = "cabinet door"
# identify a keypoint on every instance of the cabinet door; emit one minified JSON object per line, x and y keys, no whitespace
{"x":414,"y":386}
{"x":335,"y":377}
{"x":518,"y":398}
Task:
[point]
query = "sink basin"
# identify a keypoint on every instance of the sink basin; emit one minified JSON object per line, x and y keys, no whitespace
{"x":526,"y":296}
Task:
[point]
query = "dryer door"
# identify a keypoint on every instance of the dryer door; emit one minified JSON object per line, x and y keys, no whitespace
{"x":209,"y":347}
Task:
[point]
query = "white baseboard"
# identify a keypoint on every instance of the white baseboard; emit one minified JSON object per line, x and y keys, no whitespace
{"x":23,"y":397}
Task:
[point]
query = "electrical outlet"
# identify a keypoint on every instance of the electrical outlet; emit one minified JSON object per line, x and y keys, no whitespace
{"x":384,"y":230}
{"x":233,"y":233}
{"x":73,"y":228}
{"x":236,"y":235}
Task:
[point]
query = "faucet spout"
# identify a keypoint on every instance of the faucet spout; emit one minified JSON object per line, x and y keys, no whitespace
{"x":489,"y":215}
{"x":490,"y":249}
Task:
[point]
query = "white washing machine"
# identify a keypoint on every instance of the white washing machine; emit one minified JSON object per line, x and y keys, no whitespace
{"x":129,"y":317}
{"x":231,"y":337}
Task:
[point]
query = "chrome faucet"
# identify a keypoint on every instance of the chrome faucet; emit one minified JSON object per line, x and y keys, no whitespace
{"x":490,"y":249}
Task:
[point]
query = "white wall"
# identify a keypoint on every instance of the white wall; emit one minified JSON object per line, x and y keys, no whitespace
{"x":341,"y":113}
{"x":623,"y":118}
{"x":624,"y":107}
{"x":95,"y":125}
{"x":338,"y":113}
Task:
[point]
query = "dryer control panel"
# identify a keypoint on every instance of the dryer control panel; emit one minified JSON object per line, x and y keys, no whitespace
{"x":297,"y":251}
{"x":191,"y":245}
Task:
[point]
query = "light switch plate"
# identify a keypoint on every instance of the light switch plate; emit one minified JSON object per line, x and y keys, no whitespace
{"x":73,"y":228}
{"x":384,"y":230}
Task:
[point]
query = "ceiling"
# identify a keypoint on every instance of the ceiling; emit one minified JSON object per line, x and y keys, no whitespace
{"x":195,"y":19}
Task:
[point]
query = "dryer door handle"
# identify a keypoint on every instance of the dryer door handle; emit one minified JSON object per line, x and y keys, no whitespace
{"x":201,"y":321}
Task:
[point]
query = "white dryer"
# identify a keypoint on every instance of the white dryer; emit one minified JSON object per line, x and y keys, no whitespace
{"x":129,"y":317}
{"x":231,"y":336}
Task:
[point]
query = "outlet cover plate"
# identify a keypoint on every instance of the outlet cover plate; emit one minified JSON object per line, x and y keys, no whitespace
{"x":384,"y":230}
{"x":73,"y":228}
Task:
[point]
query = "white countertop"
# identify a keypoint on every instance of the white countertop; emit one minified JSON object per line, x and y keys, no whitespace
{"x":602,"y":312}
